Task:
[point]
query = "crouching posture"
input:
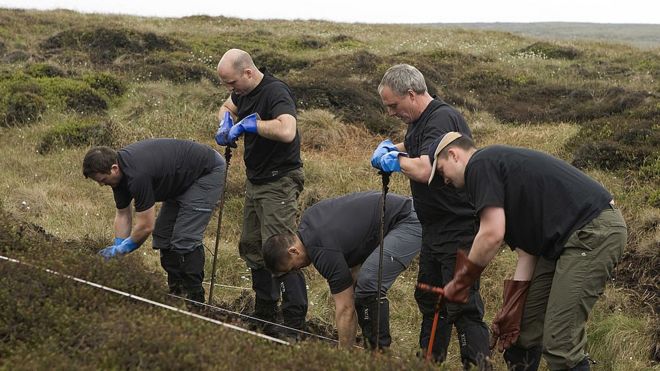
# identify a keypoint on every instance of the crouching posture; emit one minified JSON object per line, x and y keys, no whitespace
{"x":187,"y":177}
{"x":341,"y":237}
{"x":568,"y":235}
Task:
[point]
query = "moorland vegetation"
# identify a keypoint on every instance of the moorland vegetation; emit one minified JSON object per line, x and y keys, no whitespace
{"x":69,"y":81}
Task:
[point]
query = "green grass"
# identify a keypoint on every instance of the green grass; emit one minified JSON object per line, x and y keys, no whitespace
{"x":509,"y":92}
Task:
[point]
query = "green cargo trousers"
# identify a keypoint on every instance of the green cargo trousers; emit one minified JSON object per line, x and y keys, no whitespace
{"x":269,"y":209}
{"x":563,"y":292}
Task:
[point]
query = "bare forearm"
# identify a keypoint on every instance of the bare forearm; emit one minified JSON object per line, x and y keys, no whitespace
{"x":487,"y":242}
{"x":122,"y":224}
{"x":144,"y":225}
{"x":227,"y":106}
{"x":140,"y":234}
{"x":281,"y":129}
{"x":484,"y":249}
{"x":417,"y":169}
{"x":525,"y":267}
{"x":346,"y":326}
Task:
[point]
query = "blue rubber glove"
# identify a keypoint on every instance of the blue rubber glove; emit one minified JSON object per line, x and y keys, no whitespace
{"x":247,"y":125}
{"x":384,"y":147}
{"x":389,"y":163}
{"x":222,"y":135}
{"x":124,"y":247}
{"x":118,"y":240}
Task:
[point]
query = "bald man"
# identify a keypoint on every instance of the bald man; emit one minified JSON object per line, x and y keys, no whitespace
{"x":264,"y":110}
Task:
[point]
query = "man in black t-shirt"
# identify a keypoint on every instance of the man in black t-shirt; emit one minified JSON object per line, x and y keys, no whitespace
{"x":447,"y":219}
{"x":187,"y":178}
{"x":265,"y":113}
{"x":340,"y":236}
{"x":565,"y":229}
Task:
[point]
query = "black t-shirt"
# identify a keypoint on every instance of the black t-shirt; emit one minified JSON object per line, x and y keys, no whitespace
{"x":155,"y":170}
{"x":439,"y":205}
{"x":544,"y":198}
{"x":267,"y":160}
{"x":340,"y":233}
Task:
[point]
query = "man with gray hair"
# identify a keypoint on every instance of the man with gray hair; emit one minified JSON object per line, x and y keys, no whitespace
{"x":265,"y":110}
{"x":447,"y":219}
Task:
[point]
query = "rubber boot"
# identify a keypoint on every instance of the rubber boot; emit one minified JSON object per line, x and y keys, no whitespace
{"x":521,"y":359}
{"x":171,"y":263}
{"x":366,"y":310}
{"x":294,"y":298}
{"x":294,"y":304}
{"x":265,"y":302}
{"x":192,"y":273}
{"x":473,"y":343}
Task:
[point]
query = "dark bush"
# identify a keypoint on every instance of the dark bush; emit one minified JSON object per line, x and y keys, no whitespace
{"x":178,"y":72}
{"x":550,"y":50}
{"x":103,"y":44}
{"x":16,"y":56}
{"x":107,"y":83}
{"x":365,"y":62}
{"x":75,"y":134}
{"x":44,"y":70}
{"x":488,"y":80}
{"x":85,"y":100}
{"x":152,"y":41}
{"x":341,"y":38}
{"x":354,"y":101}
{"x":278,"y":63}
{"x":309,"y":42}
{"x":24,"y":108}
{"x":609,"y":155}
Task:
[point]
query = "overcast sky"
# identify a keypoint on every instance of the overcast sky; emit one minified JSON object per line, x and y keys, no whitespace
{"x":375,"y":11}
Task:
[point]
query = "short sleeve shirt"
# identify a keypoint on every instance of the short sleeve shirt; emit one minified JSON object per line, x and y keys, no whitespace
{"x":443,"y":206}
{"x":342,"y":232}
{"x":155,"y":170}
{"x":544,"y":198}
{"x":265,"y":159}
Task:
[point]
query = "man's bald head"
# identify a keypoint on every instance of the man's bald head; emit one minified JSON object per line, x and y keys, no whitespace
{"x":237,"y":60}
{"x":237,"y":70}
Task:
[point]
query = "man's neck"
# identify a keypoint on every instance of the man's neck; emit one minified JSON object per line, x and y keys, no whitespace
{"x":423,"y":102}
{"x":303,"y":250}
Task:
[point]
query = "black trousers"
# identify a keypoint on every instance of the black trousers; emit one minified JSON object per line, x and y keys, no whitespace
{"x":436,"y":268}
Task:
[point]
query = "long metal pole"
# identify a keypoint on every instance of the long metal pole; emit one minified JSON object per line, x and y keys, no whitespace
{"x":386,"y":181}
{"x":217,"y":232}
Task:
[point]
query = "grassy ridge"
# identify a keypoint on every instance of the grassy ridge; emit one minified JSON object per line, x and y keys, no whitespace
{"x":71,"y":80}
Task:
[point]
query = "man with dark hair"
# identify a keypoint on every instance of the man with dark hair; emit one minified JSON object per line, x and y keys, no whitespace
{"x":266,"y":113}
{"x":340,"y":236}
{"x":565,"y":229}
{"x":187,"y":178}
{"x":447,"y":219}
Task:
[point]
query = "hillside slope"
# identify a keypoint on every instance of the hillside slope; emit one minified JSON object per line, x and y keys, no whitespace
{"x":70,"y":81}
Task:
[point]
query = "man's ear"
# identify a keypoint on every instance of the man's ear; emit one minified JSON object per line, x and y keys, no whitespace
{"x":411,"y":94}
{"x":114,"y":168}
{"x":292,"y":250}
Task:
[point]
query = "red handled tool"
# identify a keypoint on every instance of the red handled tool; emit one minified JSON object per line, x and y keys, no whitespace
{"x":440,"y":292}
